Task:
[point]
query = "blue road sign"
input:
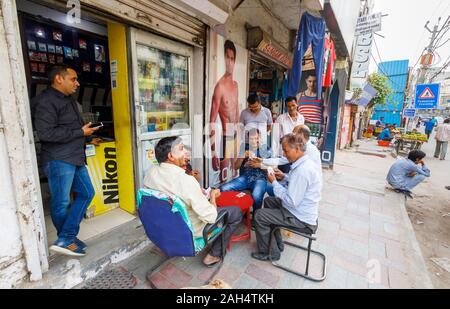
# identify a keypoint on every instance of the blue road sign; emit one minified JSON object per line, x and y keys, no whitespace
{"x":409,"y":112}
{"x":427,"y":96}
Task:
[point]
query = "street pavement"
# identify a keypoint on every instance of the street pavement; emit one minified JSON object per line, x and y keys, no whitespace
{"x":364,"y":231}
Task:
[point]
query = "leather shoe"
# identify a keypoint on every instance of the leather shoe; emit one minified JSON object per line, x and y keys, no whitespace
{"x":210,"y":261}
{"x":263,"y":256}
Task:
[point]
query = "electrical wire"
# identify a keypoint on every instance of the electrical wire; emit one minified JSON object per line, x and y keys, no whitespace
{"x":381,"y":61}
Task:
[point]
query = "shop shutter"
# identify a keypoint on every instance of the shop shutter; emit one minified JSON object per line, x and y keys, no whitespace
{"x":154,"y":15}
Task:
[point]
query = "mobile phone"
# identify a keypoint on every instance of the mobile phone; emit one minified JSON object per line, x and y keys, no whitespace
{"x":96,"y":125}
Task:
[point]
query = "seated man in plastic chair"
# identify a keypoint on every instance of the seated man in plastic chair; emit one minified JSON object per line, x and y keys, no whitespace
{"x":296,"y":200}
{"x":170,"y":177}
{"x":250,"y":178}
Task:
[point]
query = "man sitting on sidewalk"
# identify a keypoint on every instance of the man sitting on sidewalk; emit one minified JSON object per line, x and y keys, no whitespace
{"x":296,"y":200}
{"x":385,"y":135}
{"x":170,"y":177}
{"x":405,"y":174}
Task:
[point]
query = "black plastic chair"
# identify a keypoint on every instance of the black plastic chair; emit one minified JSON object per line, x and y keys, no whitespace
{"x":308,"y":249}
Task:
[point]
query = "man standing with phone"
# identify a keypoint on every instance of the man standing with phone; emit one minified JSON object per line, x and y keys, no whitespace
{"x":63,"y":134}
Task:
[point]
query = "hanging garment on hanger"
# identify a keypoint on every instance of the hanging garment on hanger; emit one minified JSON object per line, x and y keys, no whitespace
{"x":311,"y":31}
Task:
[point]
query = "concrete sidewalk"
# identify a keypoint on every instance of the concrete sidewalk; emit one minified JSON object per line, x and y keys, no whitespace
{"x":363,"y":229}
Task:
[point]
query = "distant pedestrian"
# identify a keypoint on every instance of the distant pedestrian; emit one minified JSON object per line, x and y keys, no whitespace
{"x":379,"y":122}
{"x":442,"y":138}
{"x":405,"y":174}
{"x":429,"y":125}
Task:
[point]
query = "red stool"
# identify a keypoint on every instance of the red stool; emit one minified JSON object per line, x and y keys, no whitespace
{"x":244,"y":202}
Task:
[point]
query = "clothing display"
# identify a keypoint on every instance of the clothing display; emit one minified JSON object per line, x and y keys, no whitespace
{"x":311,"y":31}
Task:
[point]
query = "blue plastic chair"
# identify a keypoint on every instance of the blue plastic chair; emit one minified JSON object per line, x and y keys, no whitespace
{"x":167,"y":225}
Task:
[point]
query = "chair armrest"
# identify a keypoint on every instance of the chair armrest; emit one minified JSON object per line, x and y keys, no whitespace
{"x":209,"y":228}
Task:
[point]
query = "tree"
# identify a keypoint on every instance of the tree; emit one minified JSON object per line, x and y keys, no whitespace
{"x":382,"y":86}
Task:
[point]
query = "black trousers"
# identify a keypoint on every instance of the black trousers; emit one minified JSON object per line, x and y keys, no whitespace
{"x":274,"y":213}
{"x":234,"y":218}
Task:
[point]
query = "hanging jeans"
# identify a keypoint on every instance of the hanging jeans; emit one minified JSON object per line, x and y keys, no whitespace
{"x":311,"y":31}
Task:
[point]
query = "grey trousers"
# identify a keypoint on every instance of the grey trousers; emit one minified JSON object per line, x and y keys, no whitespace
{"x":441,"y":149}
{"x":274,"y":213}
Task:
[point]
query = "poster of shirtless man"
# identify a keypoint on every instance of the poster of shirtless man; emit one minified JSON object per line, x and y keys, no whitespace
{"x":229,"y":74}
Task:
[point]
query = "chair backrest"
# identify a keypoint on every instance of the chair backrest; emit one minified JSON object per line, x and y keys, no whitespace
{"x":164,"y":224}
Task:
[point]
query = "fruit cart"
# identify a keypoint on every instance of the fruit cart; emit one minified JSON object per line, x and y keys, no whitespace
{"x":407,"y":142}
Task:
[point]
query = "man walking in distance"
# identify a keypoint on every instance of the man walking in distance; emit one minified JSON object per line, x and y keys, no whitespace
{"x":63,"y":134}
{"x":442,"y":138}
{"x":225,"y":104}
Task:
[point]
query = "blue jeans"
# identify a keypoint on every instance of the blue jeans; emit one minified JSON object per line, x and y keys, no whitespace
{"x":62,"y":179}
{"x":269,"y":189}
{"x":257,"y":187}
{"x":311,"y":31}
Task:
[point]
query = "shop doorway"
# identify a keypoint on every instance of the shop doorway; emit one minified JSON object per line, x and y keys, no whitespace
{"x":162,"y":75}
{"x":47,"y":40}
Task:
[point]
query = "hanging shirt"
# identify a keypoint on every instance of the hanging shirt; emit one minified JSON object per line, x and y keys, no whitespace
{"x":330,"y":58}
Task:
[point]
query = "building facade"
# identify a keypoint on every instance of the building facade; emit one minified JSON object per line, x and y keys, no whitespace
{"x":147,"y":70}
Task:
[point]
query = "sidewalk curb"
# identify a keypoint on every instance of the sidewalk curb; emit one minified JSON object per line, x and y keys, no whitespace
{"x":421,"y":277}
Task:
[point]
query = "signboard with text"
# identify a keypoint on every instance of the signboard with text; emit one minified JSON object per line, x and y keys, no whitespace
{"x":409,"y":113}
{"x":368,"y":23}
{"x":427,"y":96}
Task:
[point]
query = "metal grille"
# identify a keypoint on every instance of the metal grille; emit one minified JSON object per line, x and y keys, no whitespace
{"x":112,"y":279}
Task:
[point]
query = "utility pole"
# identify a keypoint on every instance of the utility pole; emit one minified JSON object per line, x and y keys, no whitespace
{"x":430,"y":48}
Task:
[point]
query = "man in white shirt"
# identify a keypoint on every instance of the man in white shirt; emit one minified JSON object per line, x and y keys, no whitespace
{"x":170,"y":177}
{"x":296,"y":200}
{"x":285,"y":123}
{"x":442,"y":138}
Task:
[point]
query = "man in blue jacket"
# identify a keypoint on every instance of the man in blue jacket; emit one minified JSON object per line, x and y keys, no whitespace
{"x":429,"y":125}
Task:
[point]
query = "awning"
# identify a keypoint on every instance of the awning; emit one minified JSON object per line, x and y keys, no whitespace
{"x":263,"y":44}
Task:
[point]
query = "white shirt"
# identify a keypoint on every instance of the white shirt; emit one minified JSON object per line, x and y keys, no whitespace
{"x":287,"y":124}
{"x":443,"y":132}
{"x":284,"y":124}
{"x":300,"y":190}
{"x":311,"y":151}
{"x":172,"y":179}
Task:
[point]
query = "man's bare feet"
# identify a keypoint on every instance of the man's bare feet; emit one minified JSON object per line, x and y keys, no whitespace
{"x":210,"y":260}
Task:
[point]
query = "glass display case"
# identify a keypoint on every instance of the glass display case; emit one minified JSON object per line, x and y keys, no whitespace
{"x":163,"y":83}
